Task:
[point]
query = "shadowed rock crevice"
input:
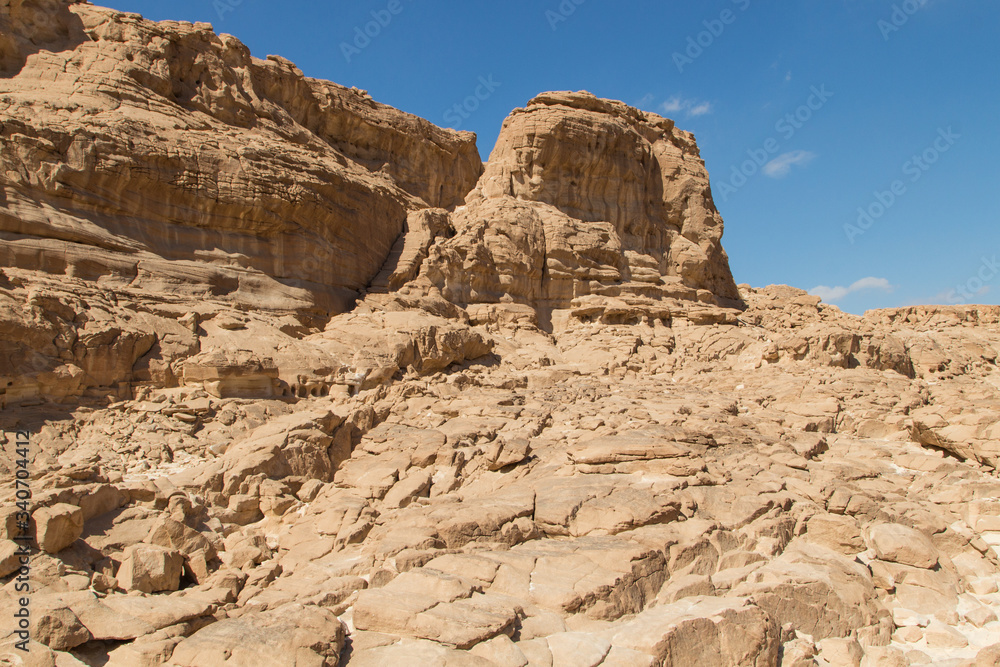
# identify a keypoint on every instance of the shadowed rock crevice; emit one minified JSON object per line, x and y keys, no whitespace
{"x":28,"y":27}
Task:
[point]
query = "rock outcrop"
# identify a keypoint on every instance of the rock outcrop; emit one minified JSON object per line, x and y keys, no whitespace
{"x":164,"y":158}
{"x":592,"y":209}
{"x":306,"y":384}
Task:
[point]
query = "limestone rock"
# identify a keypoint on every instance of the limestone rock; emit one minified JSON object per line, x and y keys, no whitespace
{"x":330,"y":137}
{"x":820,"y":592}
{"x":10,"y":561}
{"x":59,"y":629}
{"x":539,"y":210}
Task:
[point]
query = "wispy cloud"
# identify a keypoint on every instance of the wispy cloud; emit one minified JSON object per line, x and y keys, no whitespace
{"x":782,"y":165}
{"x":834,"y":294}
{"x":646,"y":100}
{"x":689,"y":107}
{"x":673,"y":105}
{"x":701,"y":109}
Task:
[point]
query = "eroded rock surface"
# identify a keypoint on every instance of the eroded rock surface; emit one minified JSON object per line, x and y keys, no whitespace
{"x":307,"y":385}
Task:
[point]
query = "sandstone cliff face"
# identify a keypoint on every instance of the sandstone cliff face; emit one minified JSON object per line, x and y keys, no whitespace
{"x":584,"y":197}
{"x":163,"y":157}
{"x":161,"y":167}
{"x":551,"y":431}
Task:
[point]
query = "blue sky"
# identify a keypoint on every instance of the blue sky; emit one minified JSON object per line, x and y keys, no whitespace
{"x":836,"y":108}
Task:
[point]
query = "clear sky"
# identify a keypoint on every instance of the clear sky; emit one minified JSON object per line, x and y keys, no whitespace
{"x":868,"y":128}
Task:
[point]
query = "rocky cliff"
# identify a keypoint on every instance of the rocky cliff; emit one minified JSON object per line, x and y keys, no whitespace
{"x":304,"y":383}
{"x":164,"y":158}
{"x":172,"y":178}
{"x":585,"y":199}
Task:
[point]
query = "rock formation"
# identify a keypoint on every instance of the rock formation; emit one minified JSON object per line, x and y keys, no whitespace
{"x":587,"y":204}
{"x":306,"y":383}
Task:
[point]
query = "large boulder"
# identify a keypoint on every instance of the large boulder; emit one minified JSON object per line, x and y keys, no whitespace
{"x":544,"y":228}
{"x":901,"y":544}
{"x":819,"y":591}
{"x":290,"y":636}
{"x":703,"y":631}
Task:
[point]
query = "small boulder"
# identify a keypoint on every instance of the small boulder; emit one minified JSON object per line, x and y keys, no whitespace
{"x":9,"y":560}
{"x":150,"y":569}
{"x":901,"y":544}
{"x":59,"y":628}
{"x":988,"y":657}
{"x":58,"y":526}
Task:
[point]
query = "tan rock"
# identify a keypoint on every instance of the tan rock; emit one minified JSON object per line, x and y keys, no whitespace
{"x":578,"y":648}
{"x":58,"y":526}
{"x":730,"y":631}
{"x":840,"y":533}
{"x":439,"y":168}
{"x":799,"y":652}
{"x":689,"y":585}
{"x":415,"y":485}
{"x":150,"y":569}
{"x":884,"y":656}
{"x":938,"y":635}
{"x":820,"y":592}
{"x":175,"y":535}
{"x":988,"y":656}
{"x":10,"y":561}
{"x":58,"y":628}
{"x":840,"y":651}
{"x":291,"y":635}
{"x":500,"y":651}
{"x":902,"y":544}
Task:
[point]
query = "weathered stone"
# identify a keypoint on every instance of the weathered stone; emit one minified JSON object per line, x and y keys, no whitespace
{"x":58,"y":526}
{"x":901,"y":544}
{"x":308,"y":357}
{"x":291,"y":635}
{"x":701,"y":630}
{"x":150,"y":569}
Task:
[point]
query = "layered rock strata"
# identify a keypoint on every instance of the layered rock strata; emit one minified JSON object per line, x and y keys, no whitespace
{"x":305,"y":385}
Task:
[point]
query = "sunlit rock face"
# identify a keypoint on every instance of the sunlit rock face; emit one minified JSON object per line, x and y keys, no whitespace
{"x":163,"y":157}
{"x":585,"y":197}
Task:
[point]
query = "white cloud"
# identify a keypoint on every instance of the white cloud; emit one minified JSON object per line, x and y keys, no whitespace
{"x":701,"y":109}
{"x":834,"y":294}
{"x":673,"y":105}
{"x":677,"y":104}
{"x":782,"y":165}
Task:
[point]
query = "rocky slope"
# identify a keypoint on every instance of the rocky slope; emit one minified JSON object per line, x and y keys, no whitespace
{"x":306,"y":384}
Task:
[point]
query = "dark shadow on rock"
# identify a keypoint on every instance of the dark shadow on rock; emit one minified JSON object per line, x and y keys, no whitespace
{"x":36,"y":25}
